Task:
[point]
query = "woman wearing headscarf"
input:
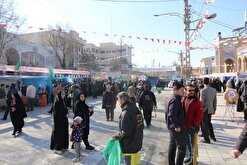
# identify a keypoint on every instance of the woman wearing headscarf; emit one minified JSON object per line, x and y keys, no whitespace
{"x":84,"y":111}
{"x":60,"y":133}
{"x":17,"y":113}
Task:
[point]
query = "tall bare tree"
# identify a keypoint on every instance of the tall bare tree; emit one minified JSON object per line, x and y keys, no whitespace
{"x":10,"y":24}
{"x":63,"y":45}
{"x":88,"y":61}
{"x":116,"y":64}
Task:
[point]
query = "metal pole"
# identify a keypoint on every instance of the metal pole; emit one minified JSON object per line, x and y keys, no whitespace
{"x":187,"y":38}
{"x":181,"y":64}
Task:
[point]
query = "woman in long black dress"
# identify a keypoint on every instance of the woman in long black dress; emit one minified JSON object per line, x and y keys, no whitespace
{"x":84,"y":111}
{"x":60,"y":133}
{"x":17,"y":113}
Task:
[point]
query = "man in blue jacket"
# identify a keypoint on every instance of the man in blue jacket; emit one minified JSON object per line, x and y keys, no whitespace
{"x":174,"y":117}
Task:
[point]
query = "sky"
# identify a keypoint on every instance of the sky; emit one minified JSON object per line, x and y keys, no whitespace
{"x":132,"y":22}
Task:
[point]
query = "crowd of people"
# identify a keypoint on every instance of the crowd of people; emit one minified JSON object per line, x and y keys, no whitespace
{"x":68,"y":96}
{"x":188,"y":111}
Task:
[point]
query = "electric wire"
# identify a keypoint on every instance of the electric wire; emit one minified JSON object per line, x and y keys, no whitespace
{"x":135,"y":1}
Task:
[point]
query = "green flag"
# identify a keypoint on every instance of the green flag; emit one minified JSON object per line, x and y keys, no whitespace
{"x":17,"y":65}
{"x":51,"y":72}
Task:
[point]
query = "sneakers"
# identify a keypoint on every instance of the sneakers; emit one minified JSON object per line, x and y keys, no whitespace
{"x":90,"y":148}
{"x":59,"y":152}
{"x":76,"y":159}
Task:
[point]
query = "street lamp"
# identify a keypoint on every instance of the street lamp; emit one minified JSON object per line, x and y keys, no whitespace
{"x":187,"y":22}
{"x":170,"y":14}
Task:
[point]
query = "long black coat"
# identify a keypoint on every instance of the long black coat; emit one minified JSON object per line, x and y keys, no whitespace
{"x":60,"y":133}
{"x":82,"y":110}
{"x":17,"y":116}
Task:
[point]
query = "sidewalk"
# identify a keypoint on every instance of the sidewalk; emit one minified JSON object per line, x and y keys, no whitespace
{"x":226,"y":133}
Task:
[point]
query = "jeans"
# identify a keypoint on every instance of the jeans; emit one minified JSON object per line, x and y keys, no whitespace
{"x":177,"y":142}
{"x":77,"y":146}
{"x":6,"y":112}
{"x":147,"y":112}
{"x":30,"y":104}
{"x":109,"y":111}
{"x":190,"y":133}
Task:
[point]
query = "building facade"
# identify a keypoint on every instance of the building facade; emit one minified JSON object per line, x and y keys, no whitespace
{"x":111,"y":56}
{"x":230,"y":54}
{"x":206,"y":65}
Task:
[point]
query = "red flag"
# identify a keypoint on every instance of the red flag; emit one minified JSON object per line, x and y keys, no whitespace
{"x":4,"y":25}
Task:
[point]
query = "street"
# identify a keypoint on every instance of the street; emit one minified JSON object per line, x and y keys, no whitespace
{"x":32,"y":146}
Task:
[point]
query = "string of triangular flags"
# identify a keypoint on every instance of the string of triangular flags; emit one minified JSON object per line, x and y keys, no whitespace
{"x":105,"y":60}
{"x":150,"y":39}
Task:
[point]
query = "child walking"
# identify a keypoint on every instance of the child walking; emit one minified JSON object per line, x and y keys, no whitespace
{"x":76,"y":137}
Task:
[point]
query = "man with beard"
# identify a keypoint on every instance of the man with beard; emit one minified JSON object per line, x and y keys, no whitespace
{"x":193,"y":116}
{"x":174,"y":117}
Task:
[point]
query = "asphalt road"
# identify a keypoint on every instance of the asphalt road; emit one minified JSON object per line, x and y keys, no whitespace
{"x":32,"y":146}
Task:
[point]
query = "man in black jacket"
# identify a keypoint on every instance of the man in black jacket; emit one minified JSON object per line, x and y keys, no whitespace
{"x":147,"y":102}
{"x":109,"y":103}
{"x":174,"y":117}
{"x":241,"y":143}
{"x":130,"y":127}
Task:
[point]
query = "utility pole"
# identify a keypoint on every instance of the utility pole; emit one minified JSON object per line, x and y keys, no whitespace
{"x":181,"y":64}
{"x":187,"y":16}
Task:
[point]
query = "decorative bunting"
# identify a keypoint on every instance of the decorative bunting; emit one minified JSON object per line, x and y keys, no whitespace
{"x":153,"y":40}
{"x":4,"y":25}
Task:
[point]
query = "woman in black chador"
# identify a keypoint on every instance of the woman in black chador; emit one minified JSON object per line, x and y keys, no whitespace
{"x":17,"y":113}
{"x":84,"y":111}
{"x":60,"y":133}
